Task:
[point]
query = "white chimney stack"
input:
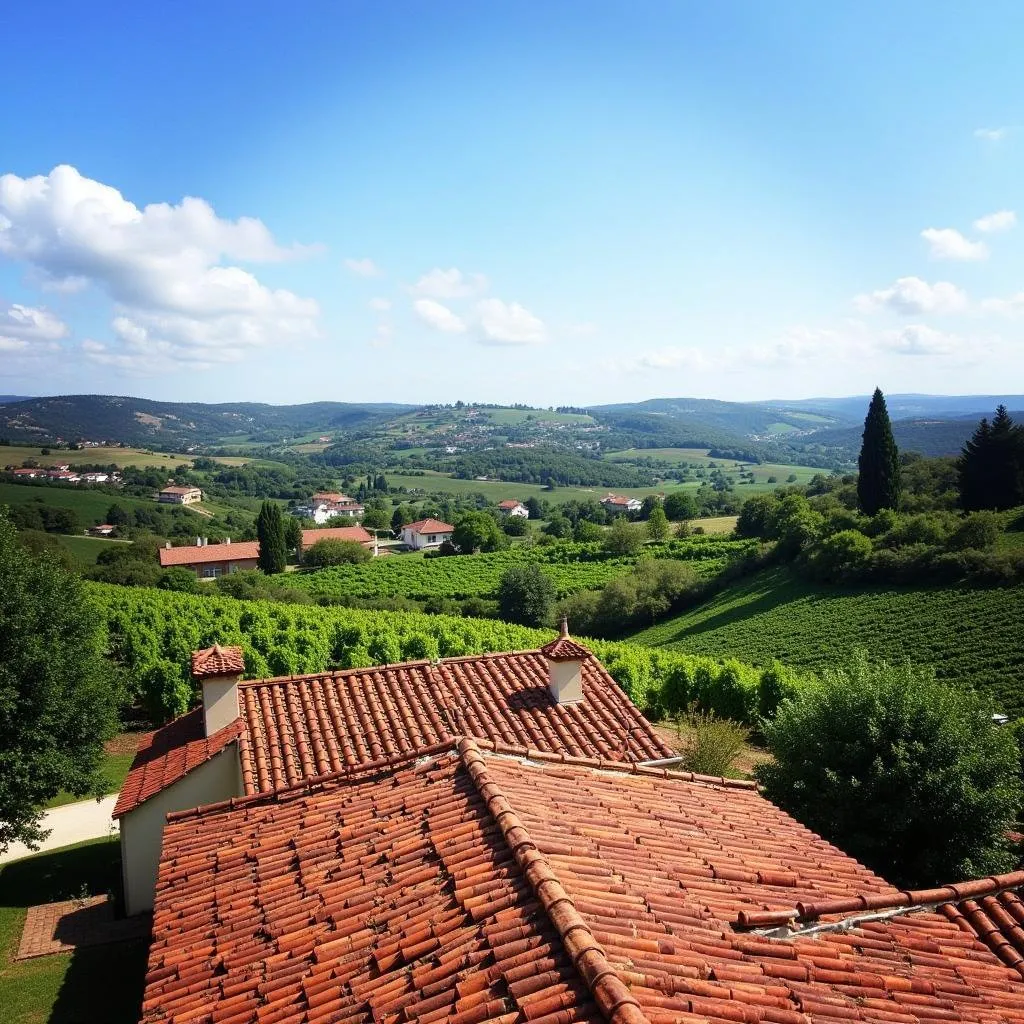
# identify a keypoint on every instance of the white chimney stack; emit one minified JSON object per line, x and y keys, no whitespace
{"x":565,"y":660}
{"x":218,"y":670}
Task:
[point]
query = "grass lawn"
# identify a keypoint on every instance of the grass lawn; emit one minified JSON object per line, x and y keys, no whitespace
{"x":716,"y":525}
{"x":120,"y":457}
{"x":96,"y":985}
{"x":85,"y":549}
{"x":90,"y":505}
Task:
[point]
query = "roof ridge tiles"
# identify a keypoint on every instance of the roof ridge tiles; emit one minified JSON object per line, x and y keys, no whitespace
{"x":878,"y":903}
{"x":610,"y":992}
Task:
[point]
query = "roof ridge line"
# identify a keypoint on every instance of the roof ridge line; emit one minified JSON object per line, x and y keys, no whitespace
{"x":610,"y":992}
{"x":898,"y":900}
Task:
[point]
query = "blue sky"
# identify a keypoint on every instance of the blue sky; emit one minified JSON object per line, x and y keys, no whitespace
{"x":553,"y":203}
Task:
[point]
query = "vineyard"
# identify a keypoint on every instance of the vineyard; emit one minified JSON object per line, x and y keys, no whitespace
{"x":571,"y":567}
{"x":970,"y":636}
{"x":152,"y":633}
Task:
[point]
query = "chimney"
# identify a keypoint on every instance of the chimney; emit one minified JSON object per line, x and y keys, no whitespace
{"x":565,"y":660}
{"x":227,"y":540}
{"x":199,"y":542}
{"x":218,"y":669}
{"x":167,"y":544}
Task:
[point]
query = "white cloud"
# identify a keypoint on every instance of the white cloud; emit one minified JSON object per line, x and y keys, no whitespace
{"x":921,"y":340}
{"x":911,"y":296}
{"x":508,"y":323}
{"x":993,"y":134}
{"x":1009,"y":307}
{"x":949,"y":244}
{"x":162,"y":265}
{"x":1002,"y":220}
{"x":449,"y":284}
{"x":22,"y":327}
{"x":441,"y":318}
{"x":380,"y":305}
{"x":364,"y":267}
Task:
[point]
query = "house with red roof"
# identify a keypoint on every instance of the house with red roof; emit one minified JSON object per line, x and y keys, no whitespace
{"x":616,"y":503}
{"x":253,"y":737}
{"x":208,"y":561}
{"x":512,"y":507}
{"x":353,"y":534}
{"x":484,"y":882}
{"x":426,"y":533}
{"x":180,"y":495}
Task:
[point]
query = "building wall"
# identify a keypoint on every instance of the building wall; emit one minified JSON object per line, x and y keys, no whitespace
{"x":142,"y":829}
{"x":181,"y":499}
{"x":211,"y":570}
{"x":423,"y":540}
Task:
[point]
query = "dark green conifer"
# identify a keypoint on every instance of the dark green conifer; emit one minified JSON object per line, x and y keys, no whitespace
{"x":878,"y":482}
{"x":270,"y":532}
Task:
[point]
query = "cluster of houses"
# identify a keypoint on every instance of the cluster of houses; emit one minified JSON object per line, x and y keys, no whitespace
{"x":503,"y":839}
{"x":326,"y":505}
{"x":64,"y":473}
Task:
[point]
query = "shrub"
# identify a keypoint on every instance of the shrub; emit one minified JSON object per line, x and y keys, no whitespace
{"x":979,"y":530}
{"x":514,"y":526}
{"x":708,"y":744}
{"x":841,"y":555}
{"x":901,"y":771}
{"x":525,"y":595}
{"x":334,"y":552}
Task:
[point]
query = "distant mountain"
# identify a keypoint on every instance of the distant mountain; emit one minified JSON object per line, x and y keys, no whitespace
{"x":173,"y":424}
{"x":6,"y":399}
{"x":907,"y":407}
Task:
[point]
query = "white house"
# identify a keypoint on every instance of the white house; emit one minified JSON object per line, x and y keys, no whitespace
{"x":617,"y":503}
{"x":511,"y":507}
{"x":321,"y":511}
{"x":427,"y":533}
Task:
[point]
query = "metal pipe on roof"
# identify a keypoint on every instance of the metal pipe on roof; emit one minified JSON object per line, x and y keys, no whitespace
{"x":663,"y":762}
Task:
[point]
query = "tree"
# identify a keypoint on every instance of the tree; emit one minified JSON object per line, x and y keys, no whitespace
{"x":623,"y":537}
{"x":292,"y":533}
{"x":334,"y":552}
{"x":117,"y":516}
{"x":902,"y":772}
{"x":657,"y":524}
{"x":375,"y":519}
{"x":477,"y":531}
{"x":990,"y":470}
{"x":648,"y":505}
{"x":526,"y":595}
{"x":58,"y":698}
{"x":680,"y":506}
{"x":270,"y":534}
{"x":878,"y":480}
{"x":402,"y":516}
{"x":534,"y":508}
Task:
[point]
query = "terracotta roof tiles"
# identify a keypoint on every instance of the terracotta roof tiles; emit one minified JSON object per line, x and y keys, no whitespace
{"x":358,"y":534}
{"x":429,"y":526}
{"x":218,"y":661}
{"x":192,"y":554}
{"x":168,"y":754}
{"x":473,"y":887}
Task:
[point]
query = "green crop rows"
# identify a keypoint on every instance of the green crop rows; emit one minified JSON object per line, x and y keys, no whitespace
{"x":571,"y":567}
{"x":970,"y":636}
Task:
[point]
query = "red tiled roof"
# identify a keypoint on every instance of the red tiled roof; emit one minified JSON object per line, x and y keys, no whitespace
{"x":509,"y":503}
{"x":429,"y":526}
{"x":191,"y":554}
{"x":178,"y":490}
{"x":310,"y":726}
{"x":352,"y":533}
{"x":477,"y":887}
{"x":615,"y":499}
{"x":330,"y":496}
{"x":217,"y":661}
{"x":169,"y":753}
{"x":563,"y":647}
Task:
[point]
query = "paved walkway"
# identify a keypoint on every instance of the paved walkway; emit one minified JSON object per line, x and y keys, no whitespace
{"x":72,"y":823}
{"x":63,"y":927}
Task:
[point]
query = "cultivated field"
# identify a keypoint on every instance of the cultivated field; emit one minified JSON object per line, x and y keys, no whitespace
{"x":16,"y":454}
{"x":971,"y":636}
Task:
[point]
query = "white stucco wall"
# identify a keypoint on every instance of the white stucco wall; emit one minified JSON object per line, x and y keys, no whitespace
{"x":422,"y":540}
{"x":142,"y":829}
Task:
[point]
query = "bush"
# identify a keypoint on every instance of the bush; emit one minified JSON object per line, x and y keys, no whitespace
{"x":842,"y":555}
{"x":334,"y":552}
{"x":708,"y":744}
{"x":514,"y":526}
{"x":525,"y":595}
{"x":624,"y":538}
{"x":904,"y":773}
{"x":979,"y":530}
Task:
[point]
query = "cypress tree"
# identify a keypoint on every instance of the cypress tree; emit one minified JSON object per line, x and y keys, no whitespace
{"x":991,"y":465}
{"x":270,"y":532}
{"x":878,"y":482}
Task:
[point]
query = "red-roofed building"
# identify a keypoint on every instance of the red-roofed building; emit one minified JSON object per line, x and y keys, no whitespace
{"x":208,"y":561}
{"x":486,"y":884}
{"x":511,"y":507}
{"x":353,"y":534}
{"x":292,"y":729}
{"x":180,"y":495}
{"x":426,"y":533}
{"x":615,"y":503}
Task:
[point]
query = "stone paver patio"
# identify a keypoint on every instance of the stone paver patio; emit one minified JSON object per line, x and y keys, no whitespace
{"x":63,"y":927}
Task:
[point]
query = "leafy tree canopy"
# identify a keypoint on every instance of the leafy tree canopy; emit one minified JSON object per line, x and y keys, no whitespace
{"x":526,"y":595}
{"x":902,"y":772}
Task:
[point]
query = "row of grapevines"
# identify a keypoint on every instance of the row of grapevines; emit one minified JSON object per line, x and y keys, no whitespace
{"x":152,"y":633}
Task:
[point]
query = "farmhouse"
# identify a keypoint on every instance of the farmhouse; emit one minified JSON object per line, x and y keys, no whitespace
{"x":208,"y":561}
{"x":180,"y":495}
{"x":103,"y":530}
{"x":426,"y":533}
{"x":617,"y":503}
{"x":256,"y":737}
{"x":357,"y":534}
{"x":511,"y":507}
{"x":326,"y":505}
{"x":479,"y":881}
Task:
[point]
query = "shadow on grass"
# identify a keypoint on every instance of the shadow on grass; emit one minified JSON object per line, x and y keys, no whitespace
{"x":102,"y":984}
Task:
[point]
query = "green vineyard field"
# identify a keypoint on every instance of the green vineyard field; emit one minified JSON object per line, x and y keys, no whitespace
{"x":970,"y":636}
